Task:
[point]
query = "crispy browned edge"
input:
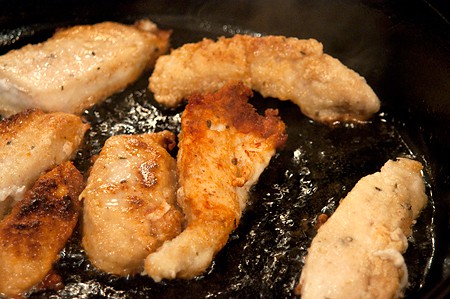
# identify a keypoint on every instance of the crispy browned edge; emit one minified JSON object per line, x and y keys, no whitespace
{"x":231,"y":103}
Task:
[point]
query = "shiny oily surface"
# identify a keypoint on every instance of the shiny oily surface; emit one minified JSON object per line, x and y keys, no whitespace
{"x":319,"y":165}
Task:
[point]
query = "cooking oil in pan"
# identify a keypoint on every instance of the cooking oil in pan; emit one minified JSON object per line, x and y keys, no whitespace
{"x":319,"y":165}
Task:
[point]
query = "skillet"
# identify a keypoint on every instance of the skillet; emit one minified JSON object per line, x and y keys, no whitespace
{"x":400,"y":47}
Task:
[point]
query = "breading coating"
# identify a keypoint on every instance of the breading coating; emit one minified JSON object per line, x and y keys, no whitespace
{"x":130,"y":202}
{"x":37,"y":229}
{"x":357,"y":252}
{"x":224,"y":147}
{"x":275,"y":66}
{"x":78,"y":66}
{"x":32,"y":142}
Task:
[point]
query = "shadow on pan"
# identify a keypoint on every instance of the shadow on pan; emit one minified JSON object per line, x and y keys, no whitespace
{"x":400,"y":47}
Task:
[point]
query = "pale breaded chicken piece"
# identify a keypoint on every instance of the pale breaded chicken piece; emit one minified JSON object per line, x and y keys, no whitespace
{"x":224,"y":146}
{"x":130,"y":202}
{"x":32,"y":142}
{"x":357,"y":253}
{"x":78,"y":66}
{"x":275,"y":66}
{"x":37,"y":229}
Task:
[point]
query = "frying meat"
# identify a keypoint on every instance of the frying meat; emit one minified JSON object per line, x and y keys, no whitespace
{"x":32,"y":142}
{"x":78,"y":66}
{"x":224,"y":147}
{"x":275,"y":66}
{"x":357,"y":253}
{"x":129,"y":202}
{"x":37,"y":229}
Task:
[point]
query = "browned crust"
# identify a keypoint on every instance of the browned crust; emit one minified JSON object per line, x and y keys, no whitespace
{"x":9,"y":127}
{"x":38,"y":227}
{"x":52,"y":202}
{"x":231,"y":104}
{"x":227,"y":107}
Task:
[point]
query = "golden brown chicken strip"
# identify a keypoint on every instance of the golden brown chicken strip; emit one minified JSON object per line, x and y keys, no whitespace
{"x":224,"y":146}
{"x":357,"y":253}
{"x":37,"y":229}
{"x":275,"y":66}
{"x":129,"y":202}
{"x":78,"y":66}
{"x":32,"y":142}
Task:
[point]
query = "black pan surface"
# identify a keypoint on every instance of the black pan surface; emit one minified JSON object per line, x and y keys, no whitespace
{"x":404,"y":57}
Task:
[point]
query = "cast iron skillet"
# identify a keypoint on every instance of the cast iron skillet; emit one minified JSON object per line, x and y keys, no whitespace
{"x":400,"y":47}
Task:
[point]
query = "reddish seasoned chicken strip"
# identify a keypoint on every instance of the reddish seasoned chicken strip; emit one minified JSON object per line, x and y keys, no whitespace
{"x":357,"y":253}
{"x":275,"y":66}
{"x":37,"y":229}
{"x":78,"y":66}
{"x":130,"y":202}
{"x":32,"y":142}
{"x":224,"y":147}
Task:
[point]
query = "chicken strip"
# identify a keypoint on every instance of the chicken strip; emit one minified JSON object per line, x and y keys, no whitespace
{"x":129,"y":202}
{"x":37,"y":229}
{"x":357,"y":253}
{"x":32,"y":142}
{"x":78,"y":66}
{"x":224,"y":147}
{"x":275,"y":66}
